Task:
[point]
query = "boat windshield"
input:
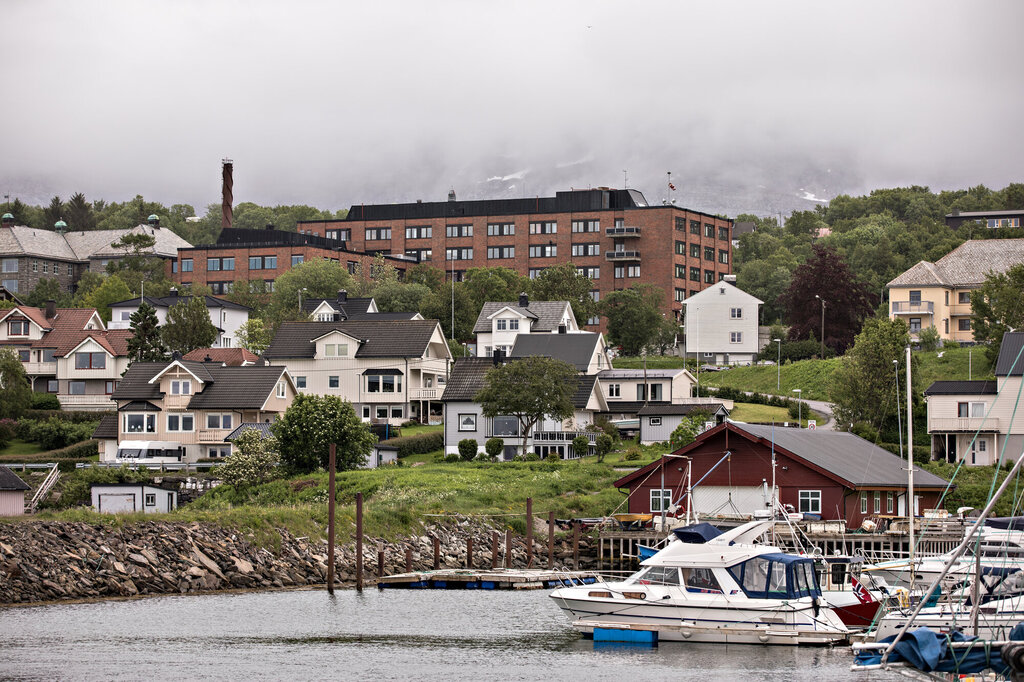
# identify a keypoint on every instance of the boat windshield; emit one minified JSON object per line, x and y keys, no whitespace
{"x":657,"y":575}
{"x":777,"y":576}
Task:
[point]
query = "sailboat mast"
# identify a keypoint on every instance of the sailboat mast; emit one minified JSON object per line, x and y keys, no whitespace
{"x":910,"y":471}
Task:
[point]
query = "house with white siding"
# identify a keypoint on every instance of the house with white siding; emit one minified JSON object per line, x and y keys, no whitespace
{"x":227,"y":316}
{"x":974,"y":421}
{"x":657,"y":422}
{"x":129,"y":498}
{"x":12,"y":493}
{"x":500,"y":323}
{"x":392,"y":371}
{"x":721,"y":324}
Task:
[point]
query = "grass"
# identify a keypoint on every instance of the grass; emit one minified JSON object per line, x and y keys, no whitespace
{"x":20,"y":447}
{"x":749,"y":412}
{"x":653,"y":362}
{"x":421,"y":428}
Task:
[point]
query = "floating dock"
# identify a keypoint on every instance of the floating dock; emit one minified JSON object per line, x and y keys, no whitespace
{"x":493,"y":579}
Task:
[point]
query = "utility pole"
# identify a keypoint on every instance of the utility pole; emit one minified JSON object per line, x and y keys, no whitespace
{"x":822,"y":325}
{"x":330,"y":520}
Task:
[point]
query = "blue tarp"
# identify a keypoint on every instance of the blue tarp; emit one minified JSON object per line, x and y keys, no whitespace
{"x":928,"y":651}
{"x":1006,"y":522}
{"x":697,"y":533}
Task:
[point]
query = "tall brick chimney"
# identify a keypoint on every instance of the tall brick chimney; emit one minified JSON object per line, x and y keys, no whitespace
{"x":227,"y":197}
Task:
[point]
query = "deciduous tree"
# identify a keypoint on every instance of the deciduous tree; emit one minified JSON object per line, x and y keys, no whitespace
{"x":634,"y":317}
{"x":996,"y":307}
{"x":529,"y":389}
{"x":112,"y":289}
{"x":321,"y":278}
{"x":253,"y":336}
{"x":47,"y":289}
{"x":188,"y":326}
{"x":565,"y":283}
{"x":253,"y":460}
{"x":312,"y":423}
{"x":15,"y":391}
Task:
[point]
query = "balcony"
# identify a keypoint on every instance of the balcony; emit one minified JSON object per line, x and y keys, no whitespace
{"x":425,"y":393}
{"x":964,"y":425}
{"x":40,"y":368}
{"x":176,"y":402}
{"x":618,"y":256}
{"x":913,"y":308}
{"x":212,"y":435}
{"x":622,"y":231}
{"x":86,"y":402}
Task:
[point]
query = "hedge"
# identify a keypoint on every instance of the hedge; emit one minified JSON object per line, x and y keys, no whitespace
{"x":736,"y":395}
{"x":86,"y":451}
{"x":69,"y":416}
{"x":922,"y":453}
{"x":417,"y":445}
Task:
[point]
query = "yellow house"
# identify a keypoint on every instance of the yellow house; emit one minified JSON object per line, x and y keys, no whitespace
{"x":939,"y":294}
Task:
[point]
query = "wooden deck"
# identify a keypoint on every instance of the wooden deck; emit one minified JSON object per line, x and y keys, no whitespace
{"x":493,"y":579}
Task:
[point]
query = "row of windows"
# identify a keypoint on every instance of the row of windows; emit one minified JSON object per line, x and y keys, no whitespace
{"x":419,"y":232}
{"x":543,"y":251}
{"x":615,"y":391}
{"x":889,"y":502}
{"x":214,"y":264}
{"x":457,"y":253}
{"x":377,"y":233}
{"x":500,"y":229}
{"x":626,"y":271}
{"x":592,"y":249}
{"x":46,"y":267}
{"x":180,"y":422}
{"x":709,"y":252}
{"x":342,"y":235}
{"x":375,"y":383}
{"x":502,"y":325}
{"x":709,"y":229}
{"x":695,"y":276}
{"x":501,"y":252}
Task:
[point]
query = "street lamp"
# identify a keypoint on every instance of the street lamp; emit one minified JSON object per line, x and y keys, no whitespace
{"x":778,"y":367}
{"x":822,"y":325}
{"x":799,"y":407}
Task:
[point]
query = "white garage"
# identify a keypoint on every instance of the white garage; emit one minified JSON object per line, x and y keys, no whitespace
{"x":727,"y":500}
{"x":129,"y":498}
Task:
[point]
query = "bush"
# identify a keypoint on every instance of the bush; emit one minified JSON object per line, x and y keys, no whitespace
{"x":253,"y":460}
{"x":604,"y":446}
{"x":633,"y":454}
{"x":72,"y":416}
{"x":795,"y":410}
{"x":494,"y":447}
{"x":929,"y":339}
{"x":88,"y":448}
{"x":950,"y":344}
{"x":417,"y":445}
{"x":452,"y":459}
{"x":532,"y":457}
{"x":45,"y":401}
{"x":467,"y":449}
{"x":55,"y":433}
{"x":8,"y":429}
{"x":553,"y":457}
{"x":602,"y":423}
{"x":580,"y":446}
{"x":437,"y":458}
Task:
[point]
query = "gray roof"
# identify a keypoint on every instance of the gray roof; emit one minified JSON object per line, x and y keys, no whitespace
{"x":743,"y":227}
{"x":168,"y":301}
{"x":639,"y":373}
{"x":980,"y":214}
{"x":262,"y":427}
{"x":962,"y":388}
{"x":83,"y":245}
{"x":1011,"y":360}
{"x":674,"y":408}
{"x":347,"y":308}
{"x":465,"y":379}
{"x":577,"y":349}
{"x":225,"y":387}
{"x":584,"y":389}
{"x":545,"y":314}
{"x":381,"y":338}
{"x":965,"y":266}
{"x":107,"y":428}
{"x":30,"y":241}
{"x":10,"y":481}
{"x":845,"y":455}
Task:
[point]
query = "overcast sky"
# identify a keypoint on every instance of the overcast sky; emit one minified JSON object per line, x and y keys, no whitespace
{"x":747,"y":103}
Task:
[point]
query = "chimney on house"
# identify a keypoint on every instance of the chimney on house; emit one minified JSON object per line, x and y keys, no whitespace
{"x":524,"y":300}
{"x":175,"y":355}
{"x":207,"y":358}
{"x":51,"y":309}
{"x":342,"y":295}
{"x":561,"y":329}
{"x":174,"y":292}
{"x":270,"y":226}
{"x":451,"y":194}
{"x":498,"y":357}
{"x":8,"y":220}
{"x":154,"y":221}
{"x":227,"y":216}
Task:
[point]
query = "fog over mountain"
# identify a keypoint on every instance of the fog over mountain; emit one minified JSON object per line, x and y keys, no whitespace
{"x":753,"y":106}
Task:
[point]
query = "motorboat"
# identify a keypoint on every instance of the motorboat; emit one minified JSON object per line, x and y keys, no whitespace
{"x":725,"y":590}
{"x":855,"y":603}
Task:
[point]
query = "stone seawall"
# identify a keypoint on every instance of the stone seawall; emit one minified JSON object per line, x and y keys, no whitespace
{"x":55,"y":560}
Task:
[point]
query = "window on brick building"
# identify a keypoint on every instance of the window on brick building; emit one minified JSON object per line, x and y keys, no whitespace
{"x":709,"y":230}
{"x":186,"y":265}
{"x":681,"y":248}
{"x":590,"y":272}
{"x":498,"y":252}
{"x":680,"y":294}
{"x":419,"y":232}
{"x":586,"y":249}
{"x":723,"y":234}
{"x":694,"y":250}
{"x":709,"y":276}
{"x":709,"y":253}
{"x":620,"y":271}
{"x":543,"y":251}
{"x":458,"y":253}
{"x":378,"y":234}
{"x":297,"y":259}
{"x":501,"y":229}
{"x":633,"y":271}
{"x":694,"y":274}
{"x":586,"y":226}
{"x":723,"y":256}
{"x":695,"y":227}
{"x":459,"y":231}
{"x":680,"y":271}
{"x":544,"y":227}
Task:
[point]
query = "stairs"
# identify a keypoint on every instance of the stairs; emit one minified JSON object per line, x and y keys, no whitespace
{"x":44,"y":490}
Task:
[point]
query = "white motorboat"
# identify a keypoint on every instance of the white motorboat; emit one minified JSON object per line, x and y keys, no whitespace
{"x":725,"y":590}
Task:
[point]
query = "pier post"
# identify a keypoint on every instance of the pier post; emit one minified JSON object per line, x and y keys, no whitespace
{"x":437,"y":552}
{"x":494,"y":549}
{"x":551,"y":539}
{"x":359,"y":542}
{"x":380,"y":563}
{"x":576,"y":545}
{"x":508,"y":548}
{"x":330,"y":520}
{"x":529,"y":532}
{"x":469,"y":552}
{"x":408,"y":559}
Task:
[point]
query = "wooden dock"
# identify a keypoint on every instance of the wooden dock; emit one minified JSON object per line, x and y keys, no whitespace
{"x":493,"y":579}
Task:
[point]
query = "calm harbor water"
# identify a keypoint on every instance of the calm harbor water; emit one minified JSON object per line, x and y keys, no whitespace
{"x":389,"y":635}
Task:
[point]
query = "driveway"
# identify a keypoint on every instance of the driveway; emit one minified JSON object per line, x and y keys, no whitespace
{"x":818,"y":406}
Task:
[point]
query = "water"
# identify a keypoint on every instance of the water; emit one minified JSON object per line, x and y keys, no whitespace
{"x":388,"y":635}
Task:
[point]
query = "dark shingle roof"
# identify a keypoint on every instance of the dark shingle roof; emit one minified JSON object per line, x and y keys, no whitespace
{"x":962,"y":388}
{"x":466,"y":378}
{"x":545,"y":314}
{"x":262,"y":427}
{"x":576,"y":349}
{"x":584,"y":389}
{"x":846,"y":455}
{"x":347,"y":308}
{"x":168,"y":301}
{"x":382,"y":338}
{"x":1011,"y":359}
{"x":107,"y":427}
{"x":229,"y":388}
{"x":10,"y":481}
{"x":662,"y":409}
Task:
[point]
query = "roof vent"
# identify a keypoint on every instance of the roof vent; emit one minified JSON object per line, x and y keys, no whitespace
{"x":60,"y":226}
{"x":174,"y":292}
{"x":175,"y":355}
{"x":342,"y":295}
{"x":451,"y":194}
{"x":721,"y":290}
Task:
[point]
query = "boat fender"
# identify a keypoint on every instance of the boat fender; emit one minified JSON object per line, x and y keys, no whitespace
{"x":1012,"y":654}
{"x":816,"y":605}
{"x":763,"y":639}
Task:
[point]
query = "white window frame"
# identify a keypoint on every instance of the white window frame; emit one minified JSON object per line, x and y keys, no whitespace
{"x":180,"y":417}
{"x":146,"y":422}
{"x":659,"y":497}
{"x":736,"y":313}
{"x":863,"y":502}
{"x":735,"y":337}
{"x":280,"y":389}
{"x":654,"y":421}
{"x":813,"y":500}
{"x":181,"y":387}
{"x":465,"y":419}
{"x":149,"y":499}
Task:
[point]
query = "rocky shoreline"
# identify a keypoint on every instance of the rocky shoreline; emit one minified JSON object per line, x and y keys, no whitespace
{"x":45,"y":561}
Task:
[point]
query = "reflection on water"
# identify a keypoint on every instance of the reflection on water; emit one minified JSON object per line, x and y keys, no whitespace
{"x":389,"y":635}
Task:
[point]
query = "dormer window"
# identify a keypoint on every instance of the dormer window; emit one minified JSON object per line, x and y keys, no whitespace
{"x":501,"y":325}
{"x":336,"y":350}
{"x":90,"y":360}
{"x":17,"y":328}
{"x":513,"y":325}
{"x":181,"y":387}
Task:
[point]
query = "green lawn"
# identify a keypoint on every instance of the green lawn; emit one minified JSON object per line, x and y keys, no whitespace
{"x":749,"y":412}
{"x":20,"y":447}
{"x":653,"y":362}
{"x":421,"y":428}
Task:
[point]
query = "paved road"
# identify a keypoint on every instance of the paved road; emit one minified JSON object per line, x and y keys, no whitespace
{"x":818,"y":406}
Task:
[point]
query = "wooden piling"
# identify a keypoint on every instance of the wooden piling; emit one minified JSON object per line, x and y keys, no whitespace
{"x":359,"y":542}
{"x":469,"y":552}
{"x":529,"y":532}
{"x":551,"y":539}
{"x":576,"y":545}
{"x":330,"y":520}
{"x":494,"y":549}
{"x":437,"y":552}
{"x":380,"y":563}
{"x":508,"y":548}
{"x":408,"y":559}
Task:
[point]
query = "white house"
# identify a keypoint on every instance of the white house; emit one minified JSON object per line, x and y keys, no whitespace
{"x":657,"y":422}
{"x":627,"y":390}
{"x":345,"y":308}
{"x":721,"y":324}
{"x":12,"y":493}
{"x":500,"y":323}
{"x":128,"y":498}
{"x":225,"y":315}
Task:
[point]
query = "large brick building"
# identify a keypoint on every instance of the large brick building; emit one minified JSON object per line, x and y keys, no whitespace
{"x":613,"y":236}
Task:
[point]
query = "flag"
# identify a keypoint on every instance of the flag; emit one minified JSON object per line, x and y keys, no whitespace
{"x":672,"y":187}
{"x":861,"y":592}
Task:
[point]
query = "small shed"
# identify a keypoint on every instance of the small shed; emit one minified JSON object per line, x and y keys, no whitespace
{"x":382,"y":454}
{"x":657,"y":422}
{"x":12,"y":493}
{"x":129,"y":498}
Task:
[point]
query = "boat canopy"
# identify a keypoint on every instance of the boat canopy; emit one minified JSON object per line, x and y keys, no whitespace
{"x":777,"y":576}
{"x":697,"y":533}
{"x":1006,"y":523}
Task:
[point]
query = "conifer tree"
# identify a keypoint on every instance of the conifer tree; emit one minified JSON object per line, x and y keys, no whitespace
{"x":145,"y":345}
